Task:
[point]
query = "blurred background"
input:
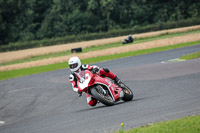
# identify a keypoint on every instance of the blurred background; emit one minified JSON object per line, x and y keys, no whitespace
{"x":65,"y":21}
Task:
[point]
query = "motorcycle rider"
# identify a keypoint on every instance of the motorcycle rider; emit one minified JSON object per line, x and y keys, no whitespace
{"x":76,"y":67}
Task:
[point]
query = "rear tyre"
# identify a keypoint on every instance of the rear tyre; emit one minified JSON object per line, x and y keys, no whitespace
{"x":98,"y":93}
{"x":128,"y":94}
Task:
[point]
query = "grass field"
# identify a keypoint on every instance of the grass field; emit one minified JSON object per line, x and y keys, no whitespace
{"x":189,"y":124}
{"x":143,"y":44}
{"x":109,"y":51}
{"x":21,"y":54}
{"x":27,"y":71}
{"x":106,"y":46}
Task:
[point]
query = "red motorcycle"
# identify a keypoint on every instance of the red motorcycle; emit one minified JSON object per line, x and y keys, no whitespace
{"x":103,"y":89}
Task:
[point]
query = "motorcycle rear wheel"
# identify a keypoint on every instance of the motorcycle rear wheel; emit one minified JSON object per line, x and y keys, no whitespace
{"x":105,"y":99}
{"x":128,"y":94}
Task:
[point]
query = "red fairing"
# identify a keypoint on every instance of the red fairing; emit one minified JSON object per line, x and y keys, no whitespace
{"x":114,"y":89}
{"x":101,"y":72}
{"x":96,"y":79}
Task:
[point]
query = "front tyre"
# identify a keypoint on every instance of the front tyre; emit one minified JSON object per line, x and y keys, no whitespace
{"x":128,"y":94}
{"x":98,"y":93}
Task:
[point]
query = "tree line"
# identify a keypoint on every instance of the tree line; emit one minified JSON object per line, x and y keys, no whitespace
{"x":25,"y":20}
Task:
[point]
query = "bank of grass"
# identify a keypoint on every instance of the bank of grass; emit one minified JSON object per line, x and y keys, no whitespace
{"x":189,"y":124}
{"x":106,"y":46}
{"x":28,"y":71}
{"x":191,"y":56}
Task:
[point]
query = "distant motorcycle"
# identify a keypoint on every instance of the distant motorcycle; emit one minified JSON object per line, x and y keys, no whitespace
{"x":128,"y":40}
{"x":103,"y":89}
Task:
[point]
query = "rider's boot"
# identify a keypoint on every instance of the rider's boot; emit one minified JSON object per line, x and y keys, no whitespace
{"x":118,"y":81}
{"x":120,"y":84}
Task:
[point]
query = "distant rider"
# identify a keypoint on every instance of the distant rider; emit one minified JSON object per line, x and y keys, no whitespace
{"x":76,"y":68}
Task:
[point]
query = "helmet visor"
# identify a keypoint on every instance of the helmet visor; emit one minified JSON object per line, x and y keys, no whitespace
{"x":72,"y":66}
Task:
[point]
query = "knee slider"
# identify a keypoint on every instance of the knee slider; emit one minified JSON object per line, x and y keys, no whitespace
{"x":106,"y":70}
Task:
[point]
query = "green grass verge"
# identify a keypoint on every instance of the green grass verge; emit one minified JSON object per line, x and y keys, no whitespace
{"x":106,"y":46}
{"x":28,"y":71}
{"x":191,"y":56}
{"x":189,"y":124}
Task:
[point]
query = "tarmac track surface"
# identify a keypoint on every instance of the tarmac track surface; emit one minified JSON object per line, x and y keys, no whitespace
{"x":45,"y":103}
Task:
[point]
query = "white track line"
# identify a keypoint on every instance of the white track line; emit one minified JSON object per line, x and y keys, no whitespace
{"x":2,"y":122}
{"x":173,"y":60}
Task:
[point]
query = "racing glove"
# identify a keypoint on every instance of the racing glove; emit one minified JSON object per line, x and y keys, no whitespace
{"x":95,"y":70}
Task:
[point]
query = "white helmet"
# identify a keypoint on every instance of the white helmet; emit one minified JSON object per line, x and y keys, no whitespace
{"x":74,"y":63}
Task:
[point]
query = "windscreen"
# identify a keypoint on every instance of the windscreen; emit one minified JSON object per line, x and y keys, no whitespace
{"x":81,"y":75}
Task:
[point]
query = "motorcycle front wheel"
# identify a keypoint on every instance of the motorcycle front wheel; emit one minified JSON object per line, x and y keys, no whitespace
{"x":99,"y":93}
